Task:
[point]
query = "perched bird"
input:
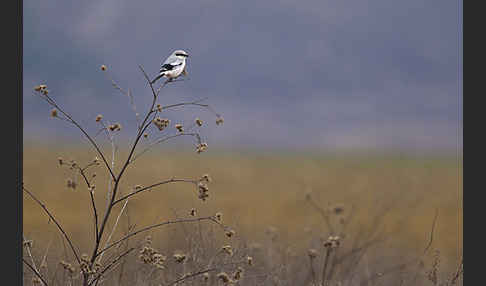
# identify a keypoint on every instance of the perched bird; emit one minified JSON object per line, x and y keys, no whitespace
{"x":173,"y":66}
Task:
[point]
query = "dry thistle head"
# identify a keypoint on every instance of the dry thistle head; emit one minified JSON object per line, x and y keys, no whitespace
{"x":312,"y":253}
{"x":201,"y":147}
{"x":227,"y":249}
{"x":115,"y":127}
{"x":67,"y":266}
{"x":219,"y":217}
{"x":219,"y":120}
{"x":332,"y":242}
{"x":249,"y":260}
{"x":54,"y":112}
{"x":238,"y":274}
{"x":99,"y":117}
{"x":161,"y":123}
{"x":203,"y":191}
{"x":205,"y":277}
{"x":179,"y":127}
{"x":224,"y":277}
{"x":179,"y":257}
{"x":103,"y":67}
{"x":229,"y":233}
{"x":206,"y":178}
{"x":199,"y":122}
{"x":193,"y":212}
{"x":28,"y":243}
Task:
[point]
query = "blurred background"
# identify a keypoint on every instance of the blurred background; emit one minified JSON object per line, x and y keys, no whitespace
{"x":356,"y":102}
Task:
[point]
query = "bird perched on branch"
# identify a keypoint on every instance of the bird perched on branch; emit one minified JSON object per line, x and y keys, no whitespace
{"x":173,"y":66}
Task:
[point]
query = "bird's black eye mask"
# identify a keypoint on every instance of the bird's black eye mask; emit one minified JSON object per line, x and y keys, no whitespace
{"x":182,"y":55}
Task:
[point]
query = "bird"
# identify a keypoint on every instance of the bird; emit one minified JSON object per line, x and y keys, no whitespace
{"x":174,"y":66}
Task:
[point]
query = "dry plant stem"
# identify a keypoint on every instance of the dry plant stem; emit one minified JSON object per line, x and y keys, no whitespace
{"x":313,"y":273}
{"x":210,"y":218}
{"x":93,"y":205}
{"x":53,"y":103}
{"x":35,"y":272}
{"x":110,"y":265}
{"x":190,"y":276}
{"x":143,"y":126}
{"x":324,"y":268}
{"x":152,"y":186}
{"x":55,"y":221}
{"x":163,"y":139}
{"x":114,"y":227}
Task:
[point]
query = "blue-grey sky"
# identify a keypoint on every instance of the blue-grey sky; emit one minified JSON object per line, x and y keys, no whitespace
{"x":299,"y":74}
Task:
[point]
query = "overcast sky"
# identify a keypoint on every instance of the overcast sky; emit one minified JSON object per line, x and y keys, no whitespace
{"x":298,"y":74}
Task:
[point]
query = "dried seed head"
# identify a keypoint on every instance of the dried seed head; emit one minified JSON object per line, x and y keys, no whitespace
{"x":230,"y":233}
{"x":179,"y":127}
{"x":223,"y":277}
{"x":199,"y":122}
{"x":161,"y":123}
{"x":205,"y":277}
{"x":193,"y":212}
{"x":115,"y":127}
{"x":227,"y":249}
{"x":203,"y":191}
{"x":28,"y":243}
{"x":159,"y":108}
{"x":219,"y":120}
{"x":99,"y":117}
{"x":103,"y":67}
{"x":206,"y":178}
{"x":179,"y":257}
{"x":36,"y":281}
{"x":238,"y":274}
{"x":312,"y":253}
{"x":60,"y":160}
{"x":54,"y":113}
{"x":249,"y":260}
{"x":145,"y":135}
{"x":219,"y":216}
{"x":201,"y":147}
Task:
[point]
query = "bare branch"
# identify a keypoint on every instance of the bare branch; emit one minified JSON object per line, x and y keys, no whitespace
{"x":163,"y":139}
{"x":53,"y":103}
{"x":35,"y":272}
{"x":152,"y":186}
{"x":187,"y":276}
{"x":55,"y":221}
{"x":210,"y":218}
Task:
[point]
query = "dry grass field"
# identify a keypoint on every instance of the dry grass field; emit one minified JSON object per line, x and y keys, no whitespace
{"x":273,"y":202}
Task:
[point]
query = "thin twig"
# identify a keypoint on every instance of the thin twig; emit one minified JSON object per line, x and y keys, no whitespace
{"x":35,"y":272}
{"x":210,"y":218}
{"x":152,"y":186}
{"x":187,"y":276}
{"x":55,"y":221}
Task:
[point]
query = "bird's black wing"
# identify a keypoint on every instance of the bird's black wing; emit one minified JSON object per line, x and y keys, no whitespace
{"x":168,"y":67}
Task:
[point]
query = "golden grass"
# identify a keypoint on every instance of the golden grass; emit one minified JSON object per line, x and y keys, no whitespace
{"x":255,"y":190}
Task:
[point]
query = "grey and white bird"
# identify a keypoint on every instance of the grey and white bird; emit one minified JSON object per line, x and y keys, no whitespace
{"x":174,"y":66}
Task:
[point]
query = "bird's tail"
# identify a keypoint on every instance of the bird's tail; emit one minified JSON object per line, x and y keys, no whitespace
{"x":157,"y":78}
